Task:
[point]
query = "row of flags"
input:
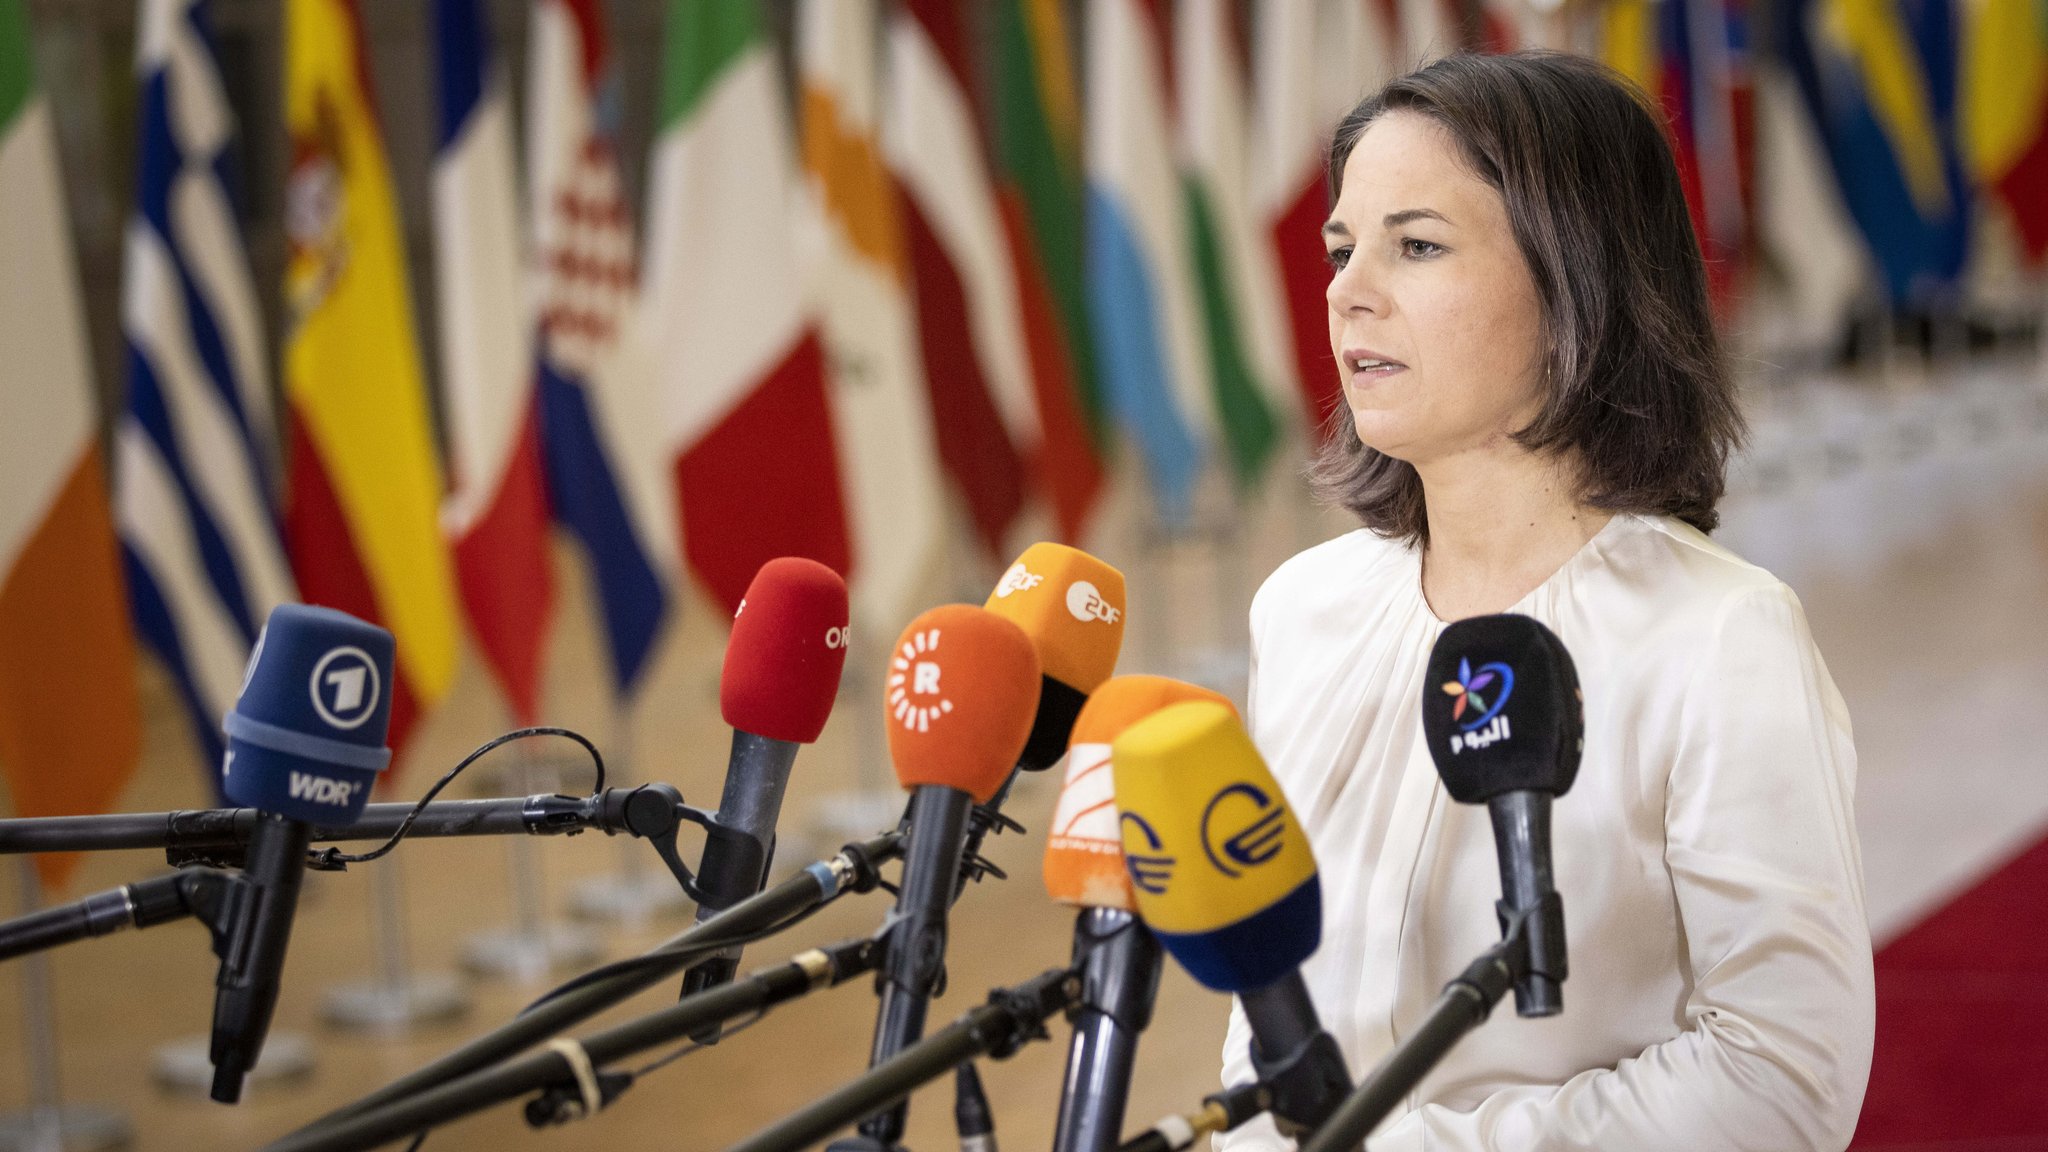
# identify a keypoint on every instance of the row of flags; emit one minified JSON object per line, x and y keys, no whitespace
{"x":937,"y":285}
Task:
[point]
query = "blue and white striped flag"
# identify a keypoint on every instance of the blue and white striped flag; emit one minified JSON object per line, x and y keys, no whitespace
{"x":609,"y":465}
{"x":195,"y":448}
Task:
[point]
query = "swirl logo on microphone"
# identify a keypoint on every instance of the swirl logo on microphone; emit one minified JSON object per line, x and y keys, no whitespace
{"x":1150,"y":871}
{"x":915,"y":697}
{"x":345,"y":687}
{"x":1242,"y":828}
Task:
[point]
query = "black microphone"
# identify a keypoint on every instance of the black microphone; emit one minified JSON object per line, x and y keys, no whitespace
{"x":304,"y":743}
{"x":781,"y":675}
{"x":1505,"y":723}
{"x":961,"y":693}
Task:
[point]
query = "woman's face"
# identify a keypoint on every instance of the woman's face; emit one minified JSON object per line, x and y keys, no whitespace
{"x":1431,"y":293}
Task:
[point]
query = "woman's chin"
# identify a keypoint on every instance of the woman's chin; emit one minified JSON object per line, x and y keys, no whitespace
{"x":1384,"y":436}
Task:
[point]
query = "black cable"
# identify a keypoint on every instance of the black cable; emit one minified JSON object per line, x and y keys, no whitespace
{"x":329,"y":859}
{"x":693,"y":1046}
{"x":712,"y":943}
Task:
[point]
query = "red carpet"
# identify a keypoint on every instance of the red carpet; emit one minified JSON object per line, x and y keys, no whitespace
{"x":1962,"y":1023}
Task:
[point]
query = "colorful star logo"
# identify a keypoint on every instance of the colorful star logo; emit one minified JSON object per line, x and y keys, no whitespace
{"x":1467,"y":690}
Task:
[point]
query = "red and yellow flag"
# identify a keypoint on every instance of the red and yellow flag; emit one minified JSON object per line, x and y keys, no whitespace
{"x":363,"y":487}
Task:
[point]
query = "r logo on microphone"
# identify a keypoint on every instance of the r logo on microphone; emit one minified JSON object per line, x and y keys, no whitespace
{"x":914,"y":695}
{"x":345,"y":687}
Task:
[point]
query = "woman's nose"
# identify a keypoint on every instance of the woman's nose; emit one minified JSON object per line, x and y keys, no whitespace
{"x":1353,"y":289}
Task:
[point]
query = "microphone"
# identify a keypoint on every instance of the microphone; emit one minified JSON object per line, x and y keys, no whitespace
{"x":305,"y":741}
{"x":1223,"y":875}
{"x":781,"y":675}
{"x":1505,"y":723}
{"x":962,"y":690}
{"x":1115,"y":954}
{"x":1071,"y":605}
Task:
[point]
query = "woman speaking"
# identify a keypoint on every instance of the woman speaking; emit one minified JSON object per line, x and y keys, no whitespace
{"x":1537,"y":417}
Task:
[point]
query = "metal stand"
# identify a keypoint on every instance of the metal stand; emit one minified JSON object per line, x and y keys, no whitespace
{"x":532,"y":946}
{"x":397,"y":998}
{"x":48,"y":1125}
{"x":635,"y":894}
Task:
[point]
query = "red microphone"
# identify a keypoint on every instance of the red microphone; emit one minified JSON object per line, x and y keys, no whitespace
{"x":781,"y":675}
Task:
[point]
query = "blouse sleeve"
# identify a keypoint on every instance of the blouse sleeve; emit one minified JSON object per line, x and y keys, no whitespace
{"x":1761,"y":845}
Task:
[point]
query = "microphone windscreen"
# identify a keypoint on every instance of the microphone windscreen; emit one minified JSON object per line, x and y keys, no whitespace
{"x":1084,"y":856}
{"x":1072,"y":607}
{"x":305,"y":739}
{"x":1222,"y":871}
{"x":1501,"y":709}
{"x":961,"y":693}
{"x":788,"y":647}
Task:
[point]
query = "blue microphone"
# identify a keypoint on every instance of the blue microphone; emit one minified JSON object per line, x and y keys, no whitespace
{"x":305,"y":742}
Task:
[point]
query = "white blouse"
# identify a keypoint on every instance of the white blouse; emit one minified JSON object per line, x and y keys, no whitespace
{"x":1720,"y":992}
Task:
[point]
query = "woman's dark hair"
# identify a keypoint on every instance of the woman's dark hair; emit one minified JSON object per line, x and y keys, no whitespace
{"x":1635,"y":380}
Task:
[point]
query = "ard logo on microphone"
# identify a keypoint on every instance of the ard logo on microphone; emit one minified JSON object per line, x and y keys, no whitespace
{"x":915,"y":699}
{"x":1486,"y":725}
{"x":345,"y":687}
{"x":1242,"y":827}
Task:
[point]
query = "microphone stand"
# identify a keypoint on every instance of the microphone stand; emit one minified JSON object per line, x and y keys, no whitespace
{"x":1464,"y":1005}
{"x":201,"y":892}
{"x":853,"y":869}
{"x":568,"y":1073}
{"x":1012,"y":1017}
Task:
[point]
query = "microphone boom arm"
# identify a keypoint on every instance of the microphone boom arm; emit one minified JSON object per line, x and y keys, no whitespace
{"x":1463,"y":1005}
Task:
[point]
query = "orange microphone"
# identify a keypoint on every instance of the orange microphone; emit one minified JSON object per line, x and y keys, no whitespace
{"x":1072,"y":607}
{"x":1117,"y":956}
{"x":962,"y":692}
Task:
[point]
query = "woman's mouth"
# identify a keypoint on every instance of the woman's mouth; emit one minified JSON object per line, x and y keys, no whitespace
{"x":1368,"y":365}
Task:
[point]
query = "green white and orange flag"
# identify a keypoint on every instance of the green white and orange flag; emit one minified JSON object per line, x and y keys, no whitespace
{"x":1040,"y":190}
{"x":726,"y":313}
{"x":69,"y":721}
{"x":859,"y":264}
{"x":1242,"y":307}
{"x":363,"y":484}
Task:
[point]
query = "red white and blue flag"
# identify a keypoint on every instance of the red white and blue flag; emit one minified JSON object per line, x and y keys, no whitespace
{"x":496,"y":514}
{"x":608,"y":464}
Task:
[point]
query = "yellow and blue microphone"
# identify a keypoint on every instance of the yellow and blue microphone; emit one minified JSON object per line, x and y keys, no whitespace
{"x":1224,"y":877}
{"x":1221,"y":869}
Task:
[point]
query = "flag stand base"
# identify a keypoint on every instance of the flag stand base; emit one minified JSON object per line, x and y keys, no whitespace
{"x":185,"y":1067}
{"x":397,"y":998}
{"x":72,"y":1128}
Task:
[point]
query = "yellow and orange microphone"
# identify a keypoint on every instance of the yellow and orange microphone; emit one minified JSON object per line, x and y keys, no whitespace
{"x":1084,"y":858}
{"x":1224,"y":877}
{"x":1117,"y":957}
{"x":1072,"y":606}
{"x":961,"y":694}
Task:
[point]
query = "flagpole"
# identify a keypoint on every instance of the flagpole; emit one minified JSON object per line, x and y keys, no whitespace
{"x":49,"y":1125}
{"x":397,"y":998}
{"x":635,"y":894}
{"x":532,"y":946}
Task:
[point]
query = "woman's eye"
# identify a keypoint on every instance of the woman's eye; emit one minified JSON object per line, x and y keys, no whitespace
{"x":1338,"y":257}
{"x":1419,"y":249}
